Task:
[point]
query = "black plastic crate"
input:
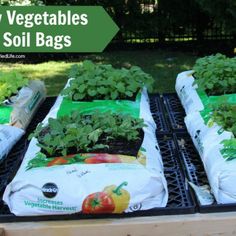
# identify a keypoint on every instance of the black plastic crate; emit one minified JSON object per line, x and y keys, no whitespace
{"x":168,"y":151}
{"x":158,"y":113}
{"x":172,"y":102}
{"x":191,"y":160}
{"x":179,"y":201}
{"x":179,"y":194}
{"x":195,"y":172}
{"x":175,"y":112}
{"x":156,"y":103}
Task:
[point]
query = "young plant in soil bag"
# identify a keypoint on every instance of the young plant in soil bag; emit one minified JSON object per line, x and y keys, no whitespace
{"x":10,"y":84}
{"x":216,"y":74}
{"x":98,"y":82}
{"x":96,"y":133}
{"x":225,"y":115}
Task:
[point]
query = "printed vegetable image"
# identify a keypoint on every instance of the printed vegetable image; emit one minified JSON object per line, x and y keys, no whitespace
{"x":93,"y":81}
{"x":216,"y":74}
{"x":41,"y":160}
{"x":78,"y":133}
{"x":113,"y":199}
{"x":106,"y":158}
{"x":10,"y":82}
{"x":121,"y":197}
{"x":96,"y":203}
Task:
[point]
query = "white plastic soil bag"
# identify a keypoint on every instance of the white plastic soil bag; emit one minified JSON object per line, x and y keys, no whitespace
{"x":8,"y":137}
{"x":16,"y":113}
{"x":187,"y":92}
{"x":220,"y":168}
{"x":26,"y":103}
{"x":42,"y":186}
{"x":218,"y":154}
{"x":204,"y":132}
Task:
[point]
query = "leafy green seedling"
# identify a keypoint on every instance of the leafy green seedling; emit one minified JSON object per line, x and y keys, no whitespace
{"x":85,"y":133}
{"x":93,"y":81}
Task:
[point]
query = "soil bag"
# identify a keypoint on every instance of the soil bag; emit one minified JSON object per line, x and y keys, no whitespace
{"x":217,"y":149}
{"x":9,"y":135}
{"x":191,"y":99}
{"x":91,"y":183}
{"x":17,"y":111}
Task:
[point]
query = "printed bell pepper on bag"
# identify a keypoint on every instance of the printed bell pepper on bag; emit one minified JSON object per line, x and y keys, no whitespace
{"x":121,"y":197}
{"x":98,"y":158}
{"x":113,"y":199}
{"x":96,"y":203}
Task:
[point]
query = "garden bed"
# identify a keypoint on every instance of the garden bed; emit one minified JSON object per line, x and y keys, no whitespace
{"x":174,"y":151}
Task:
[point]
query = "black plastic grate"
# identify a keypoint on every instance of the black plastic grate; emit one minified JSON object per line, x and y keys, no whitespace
{"x":168,"y":152}
{"x":172,"y":102}
{"x":158,"y":113}
{"x":179,"y":196}
{"x":191,"y":160}
{"x":195,"y":172}
{"x":156,"y":103}
{"x":179,"y":202}
{"x":175,"y":112}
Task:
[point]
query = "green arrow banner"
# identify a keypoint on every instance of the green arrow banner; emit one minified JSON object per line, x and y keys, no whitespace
{"x":55,"y":29}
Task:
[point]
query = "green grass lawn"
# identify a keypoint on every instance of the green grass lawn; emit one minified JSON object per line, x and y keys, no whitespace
{"x":162,"y":65}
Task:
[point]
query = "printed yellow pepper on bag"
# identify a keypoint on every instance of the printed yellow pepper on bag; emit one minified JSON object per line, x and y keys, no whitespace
{"x":121,"y":197}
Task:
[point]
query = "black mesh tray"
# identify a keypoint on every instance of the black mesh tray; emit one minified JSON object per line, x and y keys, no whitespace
{"x":175,"y":112}
{"x":195,"y":172}
{"x":158,"y":113}
{"x":179,"y":202}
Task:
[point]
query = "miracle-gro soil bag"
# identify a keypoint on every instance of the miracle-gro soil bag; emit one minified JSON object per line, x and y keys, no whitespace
{"x":44,"y":187}
{"x":218,"y":153}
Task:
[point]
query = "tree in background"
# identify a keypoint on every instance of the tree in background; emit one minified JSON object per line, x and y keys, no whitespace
{"x":221,"y":12}
{"x":159,"y":18}
{"x":21,"y":3}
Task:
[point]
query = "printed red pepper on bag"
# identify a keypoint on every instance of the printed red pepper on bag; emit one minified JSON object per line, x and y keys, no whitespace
{"x":102,"y":158}
{"x":98,"y":202}
{"x":57,"y":161}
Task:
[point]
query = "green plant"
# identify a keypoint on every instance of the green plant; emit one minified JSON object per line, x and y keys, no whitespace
{"x":93,"y":81}
{"x":10,"y":82}
{"x":216,"y":74}
{"x":229,"y":149}
{"x":225,"y":116}
{"x":85,"y":132}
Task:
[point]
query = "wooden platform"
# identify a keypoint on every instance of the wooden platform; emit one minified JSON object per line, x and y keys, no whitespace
{"x":181,"y":225}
